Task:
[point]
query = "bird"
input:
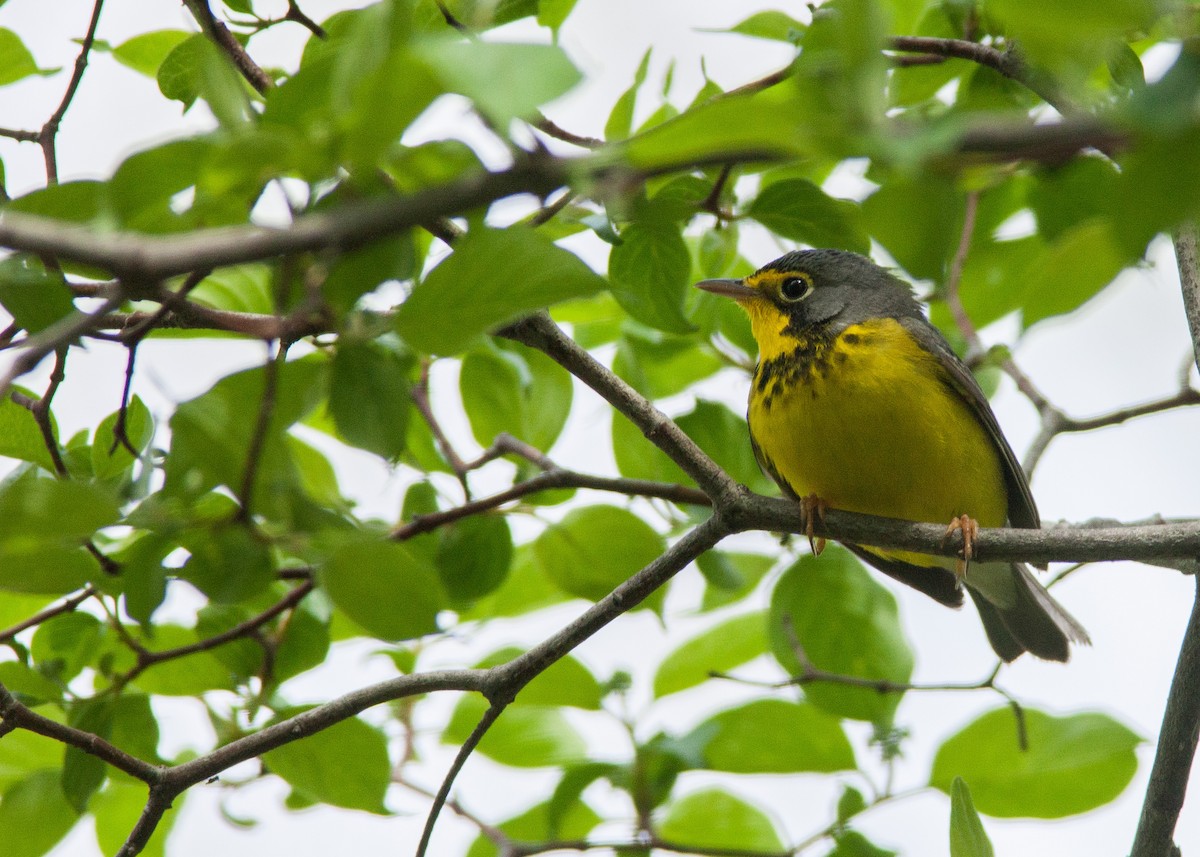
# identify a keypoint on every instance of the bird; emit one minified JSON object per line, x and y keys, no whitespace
{"x":858,"y":403}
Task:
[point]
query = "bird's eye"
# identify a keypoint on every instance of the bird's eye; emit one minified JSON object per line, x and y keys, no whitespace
{"x":796,"y":288}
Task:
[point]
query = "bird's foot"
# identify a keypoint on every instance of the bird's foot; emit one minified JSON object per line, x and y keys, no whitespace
{"x":811,"y":508}
{"x":969,"y":528}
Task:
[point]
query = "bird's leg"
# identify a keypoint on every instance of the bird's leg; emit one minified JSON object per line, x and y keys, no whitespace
{"x":811,"y":508}
{"x":969,"y":528}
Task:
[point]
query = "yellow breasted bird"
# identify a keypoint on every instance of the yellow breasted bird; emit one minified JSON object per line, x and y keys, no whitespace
{"x":858,"y":403}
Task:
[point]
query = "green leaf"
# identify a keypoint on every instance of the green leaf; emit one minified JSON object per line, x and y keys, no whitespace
{"x":210,"y":434}
{"x":38,"y":809}
{"x":35,"y":511}
{"x":564,"y":682}
{"x":384,"y":588}
{"x":540,"y":823}
{"x":493,"y":276}
{"x":361,"y":271}
{"x":197,"y":68}
{"x":533,"y":74}
{"x":30,"y":684}
{"x":725,"y":437}
{"x":967,"y":836}
{"x":800,"y":210}
{"x":851,"y":843}
{"x":33,"y":296}
{"x":525,"y":736}
{"x":111,"y":457}
{"x":827,"y":601}
{"x":1069,"y":272}
{"x":850,"y":804}
{"x":918,"y":219}
{"x":730,"y":577}
{"x":240,"y":288}
{"x":526,"y":589}
{"x":474,"y":556}
{"x":1072,"y":764}
{"x":77,"y":201}
{"x":370,"y":396}
{"x":228,"y":563}
{"x":620,"y":118}
{"x":722,"y":647}
{"x":553,"y":13}
{"x":63,"y":645}
{"x":596,"y":548}
{"x":649,"y":270}
{"x":775,"y":736}
{"x":638,"y":458}
{"x":344,"y":765}
{"x":770,"y":24}
{"x":192,"y":675}
{"x":145,"y":52}
{"x":658,"y":366}
{"x":515,"y":390}
{"x":1077,"y":191}
{"x":16,"y":62}
{"x":83,"y":773}
{"x":20,"y":436}
{"x":715,"y":818}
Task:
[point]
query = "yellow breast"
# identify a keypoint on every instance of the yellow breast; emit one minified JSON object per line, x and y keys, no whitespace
{"x":869,"y":423}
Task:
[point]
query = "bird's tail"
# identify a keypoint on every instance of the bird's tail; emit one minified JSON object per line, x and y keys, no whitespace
{"x":1020,"y":615}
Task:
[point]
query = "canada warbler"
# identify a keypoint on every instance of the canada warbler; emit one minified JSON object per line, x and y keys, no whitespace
{"x":858,"y":403}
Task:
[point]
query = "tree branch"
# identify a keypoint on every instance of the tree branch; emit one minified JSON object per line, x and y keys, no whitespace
{"x":47,"y":137}
{"x":220,"y":35}
{"x":1177,"y":741}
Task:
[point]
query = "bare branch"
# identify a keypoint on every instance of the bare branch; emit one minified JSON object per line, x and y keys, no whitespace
{"x":47,"y":137}
{"x":14,"y":714}
{"x":219,"y":34}
{"x":1176,"y":750}
{"x":1187,"y":255}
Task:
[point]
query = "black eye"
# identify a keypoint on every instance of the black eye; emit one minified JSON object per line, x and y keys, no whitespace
{"x":795,"y":288}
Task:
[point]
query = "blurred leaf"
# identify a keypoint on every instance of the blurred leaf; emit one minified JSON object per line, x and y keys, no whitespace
{"x":851,"y":843}
{"x":361,"y":271}
{"x":850,"y":804}
{"x":730,"y":577}
{"x":724,"y":436}
{"x":1069,"y":272}
{"x":967,"y":836}
{"x":800,"y":210}
{"x":345,"y":764}
{"x":110,"y":457}
{"x":649,"y":270}
{"x":145,"y":52}
{"x":830,"y":600}
{"x":775,"y":736}
{"x":83,"y":773}
{"x":37,"y":808}
{"x":30,"y":685}
{"x":538,"y":824}
{"x":493,"y":276}
{"x":227,"y":563}
{"x":564,"y":682}
{"x":382,"y":587}
{"x":719,"y":649}
{"x":533,"y":74}
{"x":241,"y":288}
{"x":515,"y":390}
{"x":1072,"y":764}
{"x":369,"y":396}
{"x":638,"y":458}
{"x":20,"y":436}
{"x":33,"y":296}
{"x":620,"y":118}
{"x":188,"y":676}
{"x":918,"y":220}
{"x":77,"y":202}
{"x":16,"y":62}
{"x":658,"y":366}
{"x":63,"y":645}
{"x":770,"y":25}
{"x":474,"y":556}
{"x":526,"y":589}
{"x":596,"y":548}
{"x":525,"y":736}
{"x":714,"y":818}
{"x":1078,"y":190}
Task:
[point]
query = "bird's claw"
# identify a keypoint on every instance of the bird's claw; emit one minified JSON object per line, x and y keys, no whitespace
{"x":811,"y":508}
{"x":969,"y":528}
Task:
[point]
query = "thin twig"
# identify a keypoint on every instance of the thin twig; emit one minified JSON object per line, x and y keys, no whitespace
{"x":47,"y":136}
{"x":219,"y":34}
{"x":67,"y":605}
{"x":262,"y":426}
{"x":1177,"y":740}
{"x":954,"y":276}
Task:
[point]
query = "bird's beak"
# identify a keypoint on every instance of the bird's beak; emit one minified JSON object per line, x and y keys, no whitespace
{"x":735,"y":289}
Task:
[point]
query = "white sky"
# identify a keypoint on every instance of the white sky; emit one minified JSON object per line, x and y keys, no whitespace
{"x":1124,"y":348}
